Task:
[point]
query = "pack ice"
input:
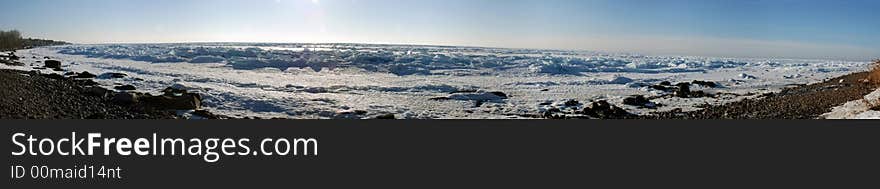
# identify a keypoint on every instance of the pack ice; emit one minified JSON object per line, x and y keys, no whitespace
{"x":424,"y":82}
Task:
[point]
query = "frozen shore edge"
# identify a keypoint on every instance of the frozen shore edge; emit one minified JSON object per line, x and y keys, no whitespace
{"x":848,"y":88}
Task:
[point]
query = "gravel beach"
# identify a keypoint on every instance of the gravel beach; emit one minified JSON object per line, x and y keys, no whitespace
{"x":801,"y":102}
{"x":29,"y":95}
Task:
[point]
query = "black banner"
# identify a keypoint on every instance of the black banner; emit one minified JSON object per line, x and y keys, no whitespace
{"x":467,"y":154}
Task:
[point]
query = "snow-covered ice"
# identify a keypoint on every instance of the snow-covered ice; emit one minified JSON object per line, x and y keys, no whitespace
{"x":327,"y":80}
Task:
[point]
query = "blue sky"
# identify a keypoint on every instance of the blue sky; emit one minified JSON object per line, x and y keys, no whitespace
{"x":744,"y":28}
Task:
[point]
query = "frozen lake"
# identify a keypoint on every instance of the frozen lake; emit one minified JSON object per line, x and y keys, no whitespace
{"x":363,"y":81}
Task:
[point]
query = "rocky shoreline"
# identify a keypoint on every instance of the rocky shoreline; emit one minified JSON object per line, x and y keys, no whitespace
{"x":800,"y":102}
{"x":36,"y":95}
{"x":804,"y":101}
{"x":31,"y":95}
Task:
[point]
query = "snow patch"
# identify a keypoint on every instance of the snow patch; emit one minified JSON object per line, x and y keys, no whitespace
{"x":857,"y":109}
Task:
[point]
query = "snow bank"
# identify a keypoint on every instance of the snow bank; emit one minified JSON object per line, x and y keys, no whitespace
{"x":858,"y":109}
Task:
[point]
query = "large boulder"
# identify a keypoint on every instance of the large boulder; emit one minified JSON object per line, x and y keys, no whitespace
{"x":683,"y":91}
{"x":54,"y":64}
{"x":604,"y":110}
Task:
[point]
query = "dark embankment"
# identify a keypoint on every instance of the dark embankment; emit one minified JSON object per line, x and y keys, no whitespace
{"x":802,"y":102}
{"x":29,"y":95}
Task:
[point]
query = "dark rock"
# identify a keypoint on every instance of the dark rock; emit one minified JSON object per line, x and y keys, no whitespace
{"x":604,"y":110}
{"x":666,"y":83}
{"x":500,"y":94}
{"x":551,"y":113}
{"x":351,"y":112}
{"x":572,"y":103}
{"x":464,"y":91}
{"x":705,"y":83}
{"x":85,"y":75}
{"x":639,"y":101}
{"x":479,"y":96}
{"x":52,"y":64}
{"x":683,"y":84}
{"x":547,"y":115}
{"x":125,"y":98}
{"x":440,"y":98}
{"x":11,"y":63}
{"x":636,"y":100}
{"x":125,"y":88}
{"x":113,"y":75}
{"x":660,"y":87}
{"x":683,"y":91}
{"x":545,"y":90}
{"x":57,"y":69}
